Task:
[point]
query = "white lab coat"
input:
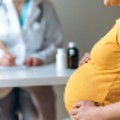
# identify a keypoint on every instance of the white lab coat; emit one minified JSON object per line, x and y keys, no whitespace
{"x":35,"y":39}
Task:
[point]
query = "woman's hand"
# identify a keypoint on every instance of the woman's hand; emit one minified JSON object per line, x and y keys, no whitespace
{"x":85,"y":58}
{"x":7,"y":60}
{"x":33,"y":62}
{"x":85,"y":110}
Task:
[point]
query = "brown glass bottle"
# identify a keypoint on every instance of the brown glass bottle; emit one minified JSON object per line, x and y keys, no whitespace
{"x":72,"y":56}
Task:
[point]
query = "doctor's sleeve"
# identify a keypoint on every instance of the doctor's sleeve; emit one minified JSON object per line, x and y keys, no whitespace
{"x":3,"y":27}
{"x":53,"y":37}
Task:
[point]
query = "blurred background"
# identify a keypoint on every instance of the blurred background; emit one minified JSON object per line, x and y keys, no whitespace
{"x":85,"y":22}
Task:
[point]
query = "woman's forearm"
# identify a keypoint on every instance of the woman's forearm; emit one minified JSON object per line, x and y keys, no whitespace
{"x":111,"y":112}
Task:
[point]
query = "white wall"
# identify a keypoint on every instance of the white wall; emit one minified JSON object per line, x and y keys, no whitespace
{"x":85,"y":22}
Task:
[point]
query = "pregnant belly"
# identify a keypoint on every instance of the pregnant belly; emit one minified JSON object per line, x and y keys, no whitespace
{"x":87,"y":83}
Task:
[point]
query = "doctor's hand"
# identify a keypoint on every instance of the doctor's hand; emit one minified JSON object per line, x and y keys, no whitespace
{"x":33,"y":62}
{"x":86,"y":110}
{"x":7,"y":60}
{"x":85,"y":59}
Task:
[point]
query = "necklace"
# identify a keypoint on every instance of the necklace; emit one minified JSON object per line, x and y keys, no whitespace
{"x":18,"y":5}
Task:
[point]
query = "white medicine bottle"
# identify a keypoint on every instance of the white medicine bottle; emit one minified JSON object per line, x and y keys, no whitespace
{"x":61,"y":59}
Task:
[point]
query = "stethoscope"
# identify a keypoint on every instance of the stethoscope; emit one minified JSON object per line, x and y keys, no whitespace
{"x":3,"y":5}
{"x":37,"y":23}
{"x":1,"y":1}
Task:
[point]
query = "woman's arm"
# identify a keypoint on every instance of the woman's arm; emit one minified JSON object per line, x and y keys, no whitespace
{"x":111,"y":112}
{"x":86,"y":110}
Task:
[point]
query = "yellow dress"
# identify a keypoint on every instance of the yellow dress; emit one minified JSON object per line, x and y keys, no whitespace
{"x":99,"y":79}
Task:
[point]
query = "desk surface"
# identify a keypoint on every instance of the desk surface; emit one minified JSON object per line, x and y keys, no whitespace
{"x":35,"y":76}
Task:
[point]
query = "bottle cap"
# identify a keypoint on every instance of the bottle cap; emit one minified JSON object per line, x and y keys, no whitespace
{"x":60,"y":50}
{"x":71,"y":44}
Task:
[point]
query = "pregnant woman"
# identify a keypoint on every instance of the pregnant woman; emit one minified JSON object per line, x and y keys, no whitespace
{"x":99,"y":79}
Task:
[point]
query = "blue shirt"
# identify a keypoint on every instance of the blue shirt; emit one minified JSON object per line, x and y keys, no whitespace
{"x":24,"y":12}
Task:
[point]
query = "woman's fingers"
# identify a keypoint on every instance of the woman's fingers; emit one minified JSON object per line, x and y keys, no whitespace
{"x":9,"y":57}
{"x":37,"y":62}
{"x":84,"y":104}
{"x":78,"y":104}
{"x":28,"y":62}
{"x":73,"y":112}
{"x":33,"y":62}
{"x":7,"y":60}
{"x":85,"y":59}
{"x":83,"y":110}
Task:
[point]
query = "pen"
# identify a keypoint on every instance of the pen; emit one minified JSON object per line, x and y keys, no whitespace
{"x":3,"y":47}
{"x":11,"y":58}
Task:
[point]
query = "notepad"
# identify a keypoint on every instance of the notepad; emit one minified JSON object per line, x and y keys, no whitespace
{"x":18,"y":67}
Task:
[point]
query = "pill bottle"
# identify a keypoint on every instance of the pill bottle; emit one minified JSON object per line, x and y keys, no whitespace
{"x":72,"y":56}
{"x":61,"y":59}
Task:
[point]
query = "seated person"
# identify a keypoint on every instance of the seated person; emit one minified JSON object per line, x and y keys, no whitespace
{"x":98,"y":80}
{"x":31,"y":32}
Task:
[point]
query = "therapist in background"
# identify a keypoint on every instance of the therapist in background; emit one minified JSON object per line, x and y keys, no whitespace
{"x":31,"y":32}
